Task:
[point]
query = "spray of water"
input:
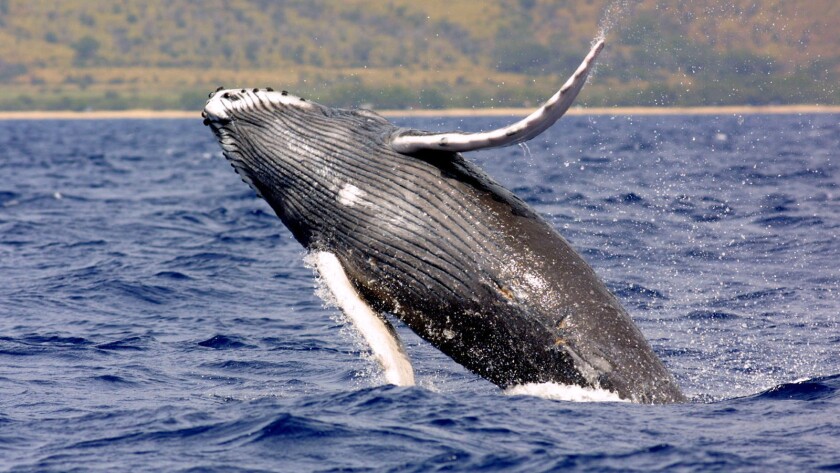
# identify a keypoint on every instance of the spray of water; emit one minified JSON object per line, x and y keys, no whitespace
{"x":563,"y":392}
{"x":613,"y":15}
{"x":526,"y":151}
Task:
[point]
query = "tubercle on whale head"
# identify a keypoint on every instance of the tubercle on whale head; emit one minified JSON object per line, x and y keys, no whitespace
{"x":224,"y":104}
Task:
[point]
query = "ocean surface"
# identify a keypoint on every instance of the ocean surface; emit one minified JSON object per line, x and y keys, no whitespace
{"x":156,"y":316}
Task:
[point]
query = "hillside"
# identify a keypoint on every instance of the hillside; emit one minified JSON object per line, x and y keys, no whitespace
{"x":81,"y":54}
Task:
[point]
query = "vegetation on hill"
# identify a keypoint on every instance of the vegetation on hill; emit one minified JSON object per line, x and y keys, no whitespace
{"x":78,"y":54}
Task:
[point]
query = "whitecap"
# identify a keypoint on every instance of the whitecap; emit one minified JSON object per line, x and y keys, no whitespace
{"x":563,"y":392}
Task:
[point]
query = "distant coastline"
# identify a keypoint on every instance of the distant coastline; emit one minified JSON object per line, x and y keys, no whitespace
{"x":453,"y":112}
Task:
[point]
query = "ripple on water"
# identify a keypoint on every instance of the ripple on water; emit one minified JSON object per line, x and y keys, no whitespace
{"x":156,"y":316}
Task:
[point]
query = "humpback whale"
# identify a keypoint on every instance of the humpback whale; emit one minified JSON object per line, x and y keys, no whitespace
{"x":398,"y":222}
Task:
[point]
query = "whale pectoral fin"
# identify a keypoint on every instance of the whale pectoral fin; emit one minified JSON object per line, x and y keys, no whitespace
{"x":376,"y":330}
{"x":519,"y":132}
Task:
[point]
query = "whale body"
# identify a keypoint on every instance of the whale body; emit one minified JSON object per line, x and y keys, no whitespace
{"x":401,"y":223}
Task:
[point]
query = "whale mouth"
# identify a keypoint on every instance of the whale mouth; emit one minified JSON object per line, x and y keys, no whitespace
{"x":224,"y":104}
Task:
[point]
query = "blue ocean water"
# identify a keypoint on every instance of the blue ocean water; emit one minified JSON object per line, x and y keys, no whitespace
{"x":156,"y":316}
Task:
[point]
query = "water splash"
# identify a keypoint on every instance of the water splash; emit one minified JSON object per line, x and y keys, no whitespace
{"x":563,"y":392}
{"x":526,"y":151}
{"x":615,"y":12}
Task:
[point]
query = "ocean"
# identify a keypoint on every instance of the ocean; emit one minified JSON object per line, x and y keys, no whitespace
{"x":156,"y":316}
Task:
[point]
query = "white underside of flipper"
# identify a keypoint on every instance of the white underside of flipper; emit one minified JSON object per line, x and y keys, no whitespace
{"x":384,"y":345}
{"x":519,"y":132}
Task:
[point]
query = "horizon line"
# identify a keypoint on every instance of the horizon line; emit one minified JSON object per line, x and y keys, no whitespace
{"x":443,"y":112}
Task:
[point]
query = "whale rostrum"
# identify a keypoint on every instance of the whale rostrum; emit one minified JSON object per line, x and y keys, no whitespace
{"x":400,"y":223}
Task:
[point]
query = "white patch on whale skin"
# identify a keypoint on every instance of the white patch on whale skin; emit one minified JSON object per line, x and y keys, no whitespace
{"x":216,"y":107}
{"x":386,"y":349}
{"x":349,"y":195}
{"x":535,"y":281}
{"x":563,"y":392}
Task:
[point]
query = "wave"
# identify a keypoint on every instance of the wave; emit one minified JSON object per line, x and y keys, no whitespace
{"x":812,"y":389}
{"x":224,"y":342}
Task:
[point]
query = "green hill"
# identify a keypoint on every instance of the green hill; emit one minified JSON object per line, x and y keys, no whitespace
{"x":80,"y":54}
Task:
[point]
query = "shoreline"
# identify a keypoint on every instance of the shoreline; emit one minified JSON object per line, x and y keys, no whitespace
{"x":452,"y":112}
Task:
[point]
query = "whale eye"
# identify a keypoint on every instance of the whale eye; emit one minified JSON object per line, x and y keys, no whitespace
{"x":226,"y":95}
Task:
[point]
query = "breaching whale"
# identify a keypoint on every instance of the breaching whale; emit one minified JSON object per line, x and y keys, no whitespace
{"x":399,"y":222}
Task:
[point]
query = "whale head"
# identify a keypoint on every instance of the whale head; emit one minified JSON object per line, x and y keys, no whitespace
{"x":287,"y":148}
